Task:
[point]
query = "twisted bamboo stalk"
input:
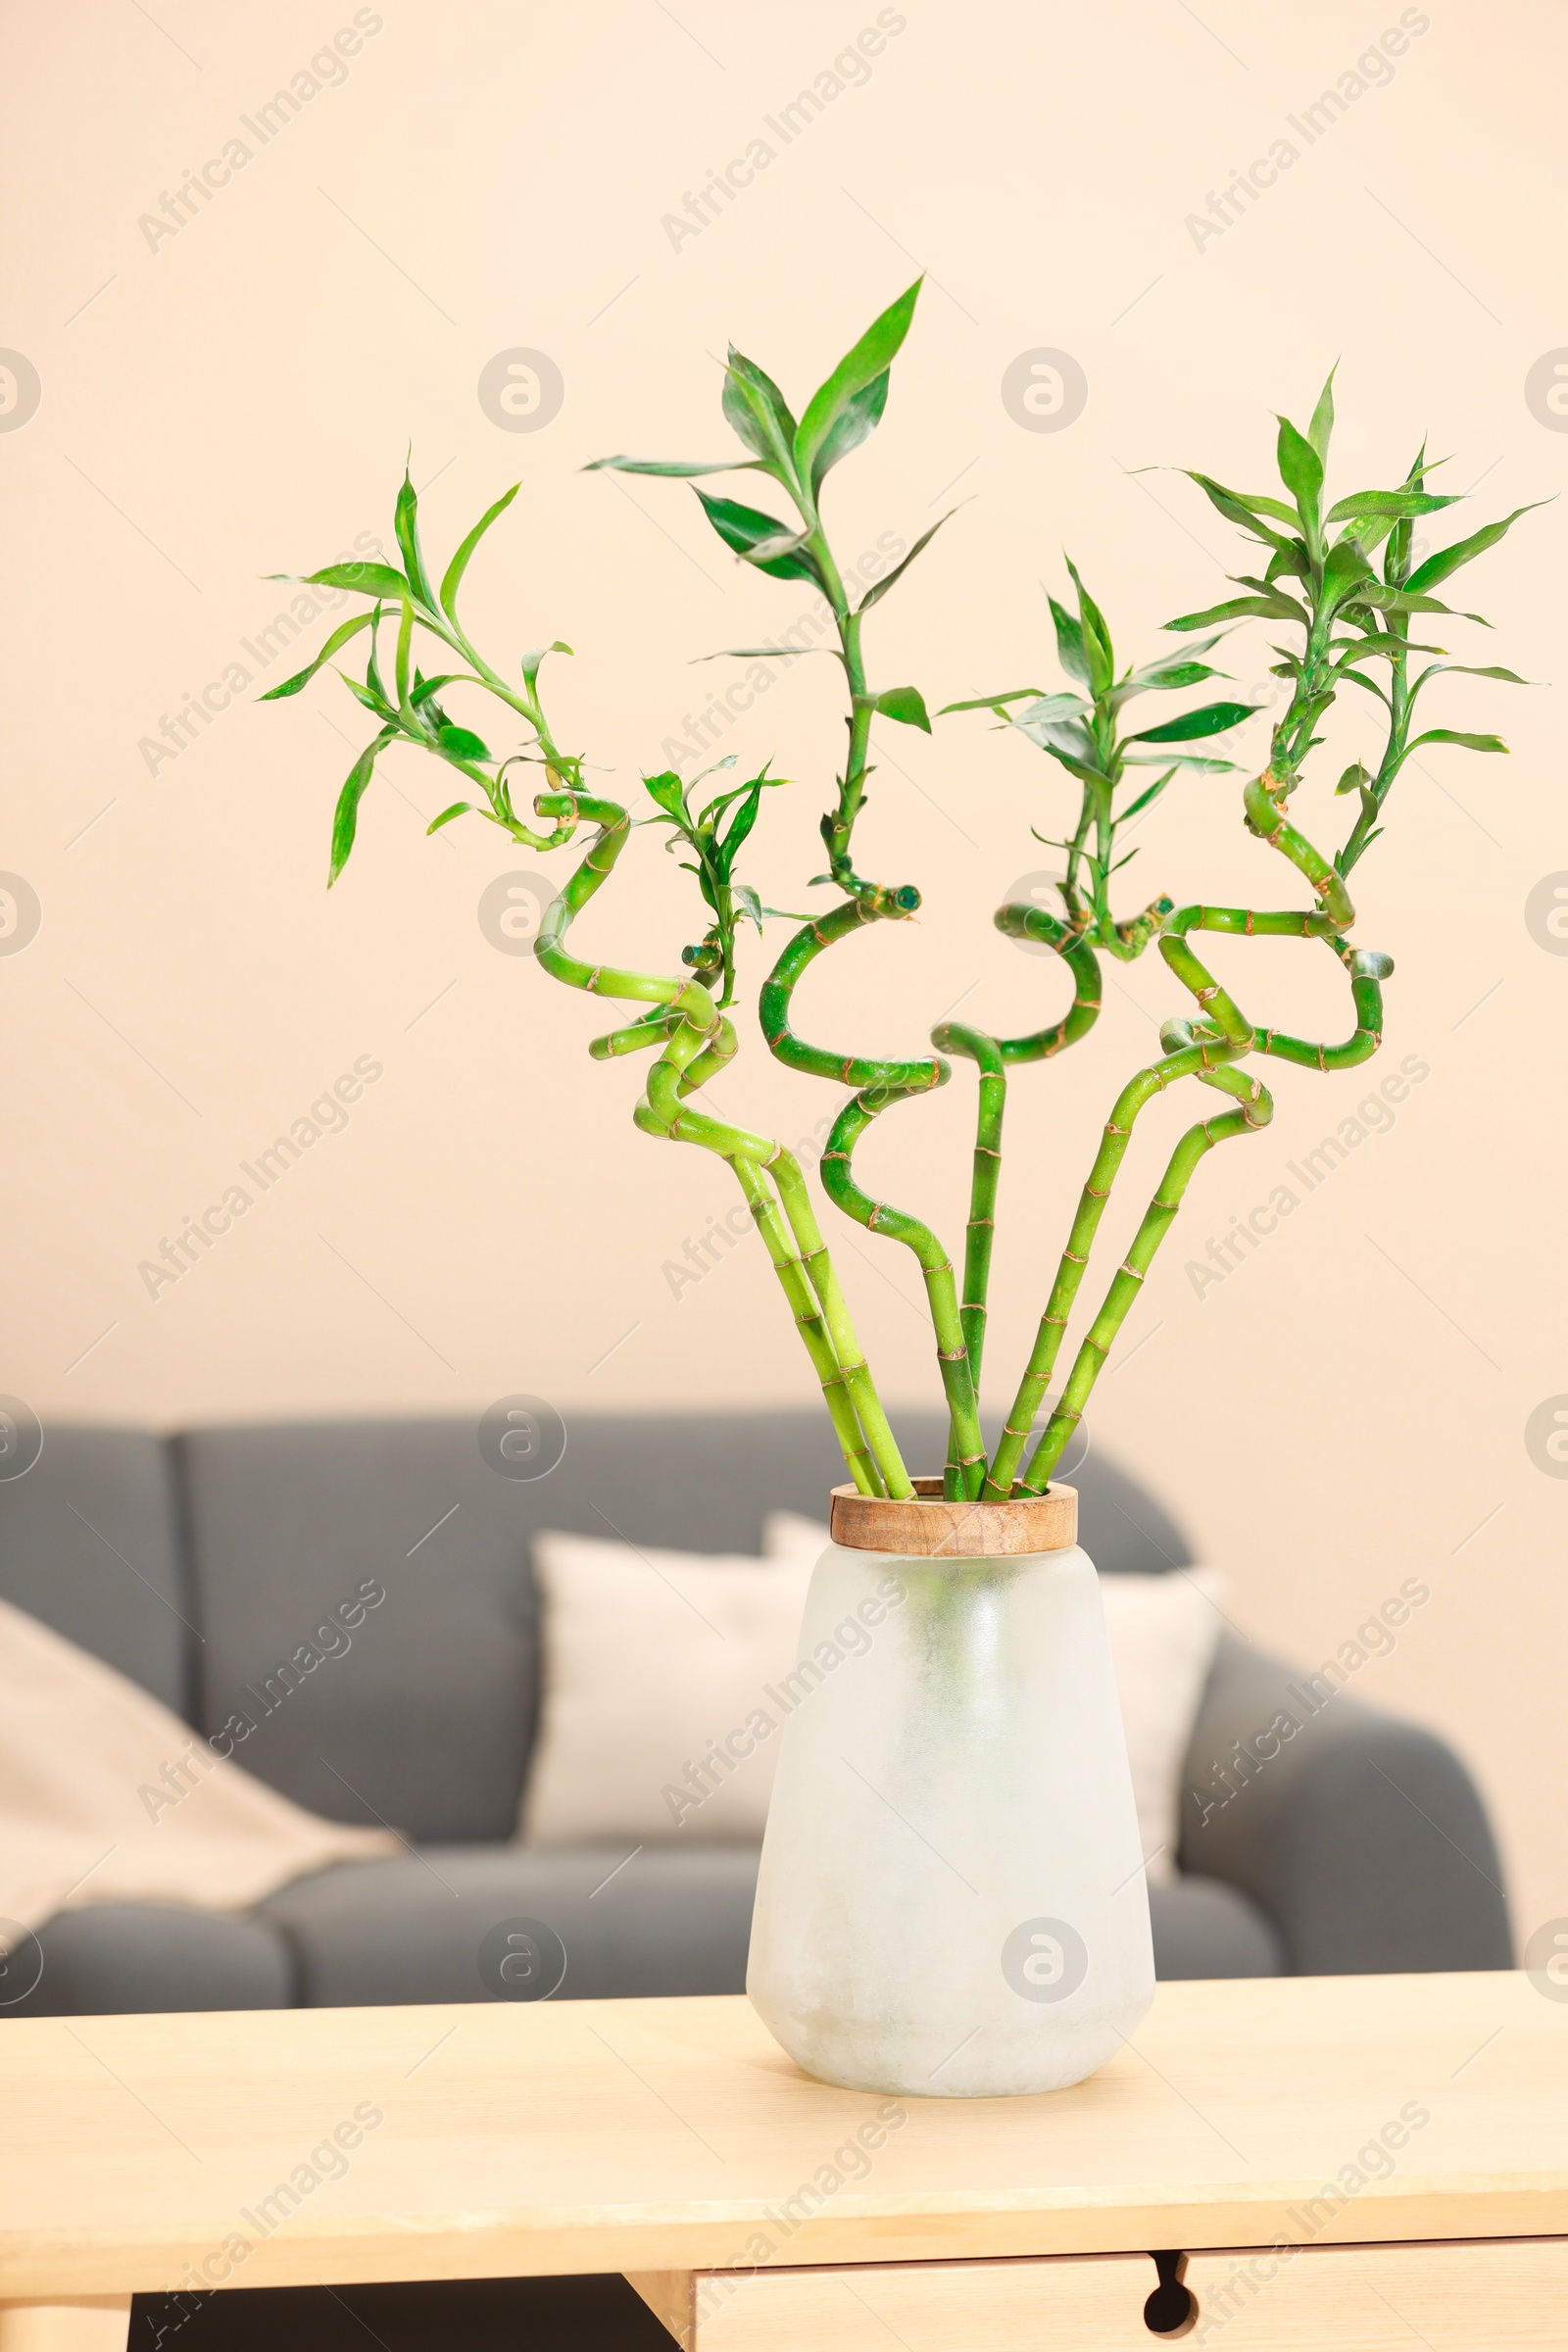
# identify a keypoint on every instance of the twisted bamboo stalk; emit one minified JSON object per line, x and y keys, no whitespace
{"x":698,"y":1041}
{"x":880,"y":1082}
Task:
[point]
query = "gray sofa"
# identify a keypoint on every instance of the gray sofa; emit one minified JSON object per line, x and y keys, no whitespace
{"x":228,"y":1569}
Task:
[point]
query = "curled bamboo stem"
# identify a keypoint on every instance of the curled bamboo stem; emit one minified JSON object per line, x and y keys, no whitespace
{"x":698,"y":1041}
{"x":966,"y":1465}
{"x":1022,"y":919}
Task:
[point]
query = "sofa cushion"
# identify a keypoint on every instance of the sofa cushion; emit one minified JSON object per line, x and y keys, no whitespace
{"x":422,"y":1713}
{"x":590,"y":1923}
{"x":434,"y":1927}
{"x":90,"y":1544}
{"x":120,"y":1958}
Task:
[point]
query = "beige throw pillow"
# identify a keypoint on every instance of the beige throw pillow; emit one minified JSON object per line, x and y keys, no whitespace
{"x":107,"y":1798}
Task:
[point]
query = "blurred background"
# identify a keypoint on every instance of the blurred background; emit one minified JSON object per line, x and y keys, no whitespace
{"x":493,"y":237}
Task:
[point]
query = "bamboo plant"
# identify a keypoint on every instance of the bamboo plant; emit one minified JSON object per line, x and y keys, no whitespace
{"x":1340,"y":582}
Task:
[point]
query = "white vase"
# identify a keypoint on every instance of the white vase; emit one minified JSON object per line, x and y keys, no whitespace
{"x":951,"y":1900}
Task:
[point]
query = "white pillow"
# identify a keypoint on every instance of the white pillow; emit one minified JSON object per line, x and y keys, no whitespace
{"x":1164,"y":1631}
{"x":661,"y":1671}
{"x":657,"y":1720}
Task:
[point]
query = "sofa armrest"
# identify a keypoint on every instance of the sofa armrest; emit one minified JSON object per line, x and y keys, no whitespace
{"x":115,"y":1958}
{"x":1363,"y":1838}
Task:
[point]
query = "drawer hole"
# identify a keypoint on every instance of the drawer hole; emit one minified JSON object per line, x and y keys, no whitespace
{"x":1172,"y":2309}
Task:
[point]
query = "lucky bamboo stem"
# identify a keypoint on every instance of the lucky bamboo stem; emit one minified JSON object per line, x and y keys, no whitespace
{"x":1234,"y":1039}
{"x":985,"y":1051}
{"x":882,"y":1082}
{"x":967,"y":1448}
{"x":1256,"y":1111}
{"x":698,"y":1043}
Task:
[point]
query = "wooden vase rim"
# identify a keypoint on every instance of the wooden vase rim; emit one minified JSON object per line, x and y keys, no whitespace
{"x":926,"y":1528}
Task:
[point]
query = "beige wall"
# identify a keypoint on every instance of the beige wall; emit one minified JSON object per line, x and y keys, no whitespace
{"x":1346,"y":1410}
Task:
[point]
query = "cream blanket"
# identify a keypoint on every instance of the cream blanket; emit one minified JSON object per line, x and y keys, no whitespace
{"x":107,"y":1798}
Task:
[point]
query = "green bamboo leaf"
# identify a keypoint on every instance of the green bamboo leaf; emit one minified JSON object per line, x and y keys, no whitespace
{"x":1194,"y":760}
{"x":458,"y":808}
{"x":1321,"y":429}
{"x":1379,"y":642}
{"x":1145,"y":797}
{"x":1241,"y":608}
{"x":750,"y":903}
{"x":1164,"y":681}
{"x":856,"y":423}
{"x":906,"y":703}
{"x":533,"y":659}
{"x":1469,"y":742}
{"x":1070,"y":650}
{"x":874,"y":594}
{"x":1097,"y":648}
{"x":361,"y":579}
{"x":870,"y":358}
{"x":675,"y":466}
{"x":405,"y":523}
{"x":346,"y":817}
{"x":669,"y":793}
{"x":462,"y":743}
{"x":459,"y":564}
{"x":744,"y":819}
{"x":1464,"y":551}
{"x":1354,"y":779}
{"x":993,"y":702}
{"x":302,"y":678}
{"x":760,"y":415}
{"x":1241,"y":510}
{"x":1213,"y":719}
{"x":1301,"y":472}
{"x":1468,"y":669}
{"x":745,"y":530}
{"x":765,"y":652}
{"x":367,"y":695}
{"x":1397,"y":505}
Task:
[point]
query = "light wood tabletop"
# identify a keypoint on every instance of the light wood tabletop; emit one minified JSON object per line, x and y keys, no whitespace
{"x":292,"y":2146}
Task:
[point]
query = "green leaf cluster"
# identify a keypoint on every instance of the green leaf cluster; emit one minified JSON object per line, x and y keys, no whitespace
{"x":1082,"y":732}
{"x":713,"y":845}
{"x":409,"y":710}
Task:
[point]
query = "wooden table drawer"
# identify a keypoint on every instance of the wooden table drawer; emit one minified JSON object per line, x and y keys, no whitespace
{"x":1498,"y":2295}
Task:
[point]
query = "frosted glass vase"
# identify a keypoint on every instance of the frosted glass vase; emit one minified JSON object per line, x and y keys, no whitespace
{"x":951,"y":1900}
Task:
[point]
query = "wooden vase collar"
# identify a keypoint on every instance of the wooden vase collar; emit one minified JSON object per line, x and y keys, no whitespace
{"x":926,"y":1528}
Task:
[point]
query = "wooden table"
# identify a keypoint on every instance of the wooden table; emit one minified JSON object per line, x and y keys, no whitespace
{"x":1370,"y":2162}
